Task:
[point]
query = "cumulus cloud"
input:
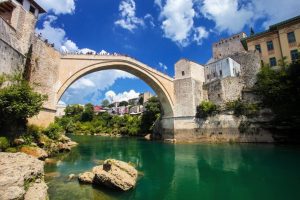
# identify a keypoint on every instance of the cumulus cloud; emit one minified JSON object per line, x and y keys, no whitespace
{"x":90,"y":87}
{"x":128,"y":19}
{"x":58,"y":6}
{"x":233,"y":15}
{"x":178,"y":18}
{"x":58,"y":37}
{"x":125,"y":96}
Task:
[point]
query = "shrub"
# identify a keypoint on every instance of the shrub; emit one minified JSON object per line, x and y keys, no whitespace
{"x":241,"y":108}
{"x":4,"y":143}
{"x":11,"y":150}
{"x":34,"y":131}
{"x":206,"y":108}
{"x":53,"y":131}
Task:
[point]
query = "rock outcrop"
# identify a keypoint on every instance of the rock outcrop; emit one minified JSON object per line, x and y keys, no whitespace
{"x":35,"y":152}
{"x":113,"y":174}
{"x":86,"y":177}
{"x":21,"y":177}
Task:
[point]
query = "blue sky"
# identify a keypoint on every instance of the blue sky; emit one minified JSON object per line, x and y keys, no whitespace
{"x":156,"y":32}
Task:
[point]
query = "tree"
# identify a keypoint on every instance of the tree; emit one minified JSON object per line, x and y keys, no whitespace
{"x":72,"y":110}
{"x":279,"y":90}
{"x":105,"y":103}
{"x":88,"y":113}
{"x":18,"y":102}
{"x":151,"y":114}
{"x":205,"y":109}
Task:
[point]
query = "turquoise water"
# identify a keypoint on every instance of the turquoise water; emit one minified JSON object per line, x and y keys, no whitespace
{"x":181,"y":171}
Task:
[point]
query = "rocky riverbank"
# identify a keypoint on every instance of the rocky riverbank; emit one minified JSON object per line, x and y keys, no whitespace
{"x":21,"y":177}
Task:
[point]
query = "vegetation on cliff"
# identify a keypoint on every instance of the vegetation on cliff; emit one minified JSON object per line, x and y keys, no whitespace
{"x":279,"y":90}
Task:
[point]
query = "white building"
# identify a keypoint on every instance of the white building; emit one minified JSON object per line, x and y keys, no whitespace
{"x":60,"y":110}
{"x":225,"y":67}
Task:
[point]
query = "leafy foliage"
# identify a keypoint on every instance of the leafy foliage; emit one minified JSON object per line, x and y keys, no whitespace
{"x":53,"y":131}
{"x":279,"y":90}
{"x":105,"y":103}
{"x":151,"y":114}
{"x":18,"y":101}
{"x":4,"y":143}
{"x":242,"y":108}
{"x":206,"y":109}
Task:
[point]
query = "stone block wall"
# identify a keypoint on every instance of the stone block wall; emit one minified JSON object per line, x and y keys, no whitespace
{"x":250,"y":66}
{"x":44,"y":65}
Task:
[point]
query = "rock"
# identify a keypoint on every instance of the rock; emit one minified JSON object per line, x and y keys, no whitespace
{"x":37,"y":191}
{"x":86,"y":177}
{"x":19,"y":141}
{"x":34,"y":151}
{"x":50,"y":161}
{"x":115,"y":174}
{"x":170,"y":140}
{"x":52,"y":174}
{"x":63,"y":147}
{"x":148,"y":137}
{"x":16,"y":171}
{"x":71,"y":176}
{"x":64,"y":139}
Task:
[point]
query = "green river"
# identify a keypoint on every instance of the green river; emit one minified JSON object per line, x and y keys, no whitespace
{"x":181,"y":171}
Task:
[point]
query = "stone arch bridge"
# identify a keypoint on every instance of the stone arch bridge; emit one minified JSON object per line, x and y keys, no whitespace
{"x":175,"y":94}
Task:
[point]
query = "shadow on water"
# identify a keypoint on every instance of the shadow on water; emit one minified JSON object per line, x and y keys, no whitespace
{"x":194,"y":171}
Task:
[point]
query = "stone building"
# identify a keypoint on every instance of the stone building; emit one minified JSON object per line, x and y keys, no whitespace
{"x":228,"y":46}
{"x":279,"y":41}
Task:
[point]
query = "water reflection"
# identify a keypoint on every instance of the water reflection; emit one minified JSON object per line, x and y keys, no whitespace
{"x":199,"y":171}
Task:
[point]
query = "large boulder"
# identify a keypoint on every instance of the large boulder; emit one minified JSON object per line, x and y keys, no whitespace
{"x":86,"y":177}
{"x":115,"y":174}
{"x":21,"y":174}
{"x":35,"y":152}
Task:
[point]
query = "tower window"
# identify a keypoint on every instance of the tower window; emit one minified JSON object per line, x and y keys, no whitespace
{"x":291,"y":37}
{"x":258,"y":48}
{"x":273,"y":62}
{"x":221,"y":73}
{"x":270,"y":46}
{"x":20,"y":2}
{"x":182,"y":73}
{"x":294,"y":55}
{"x":32,"y":9}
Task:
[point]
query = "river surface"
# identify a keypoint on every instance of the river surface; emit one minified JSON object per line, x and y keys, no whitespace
{"x":181,"y":171}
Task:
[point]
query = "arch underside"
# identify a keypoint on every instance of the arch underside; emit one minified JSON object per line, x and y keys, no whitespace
{"x":161,"y":89}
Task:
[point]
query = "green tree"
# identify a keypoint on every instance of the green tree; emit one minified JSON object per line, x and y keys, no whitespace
{"x":72,"y":110}
{"x":205,"y":109}
{"x":151,"y":113}
{"x":88,"y":113}
{"x":105,"y":103}
{"x":279,"y":90}
{"x":18,"y":102}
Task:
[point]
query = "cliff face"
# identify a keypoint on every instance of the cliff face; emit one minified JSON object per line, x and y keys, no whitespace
{"x":21,"y":177}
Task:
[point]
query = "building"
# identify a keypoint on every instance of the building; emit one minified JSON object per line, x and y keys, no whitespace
{"x":279,"y":41}
{"x":222,"y":68}
{"x":145,"y":96}
{"x":228,"y":46}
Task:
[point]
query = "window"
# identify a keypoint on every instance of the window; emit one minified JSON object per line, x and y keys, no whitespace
{"x":207,"y":76}
{"x":258,"y":48}
{"x":20,"y":1}
{"x":294,"y":55}
{"x":273,"y":62}
{"x":221,"y":73}
{"x":291,"y":37}
{"x":270,"y":46}
{"x":182,"y":73}
{"x":214,"y":74}
{"x":32,"y":9}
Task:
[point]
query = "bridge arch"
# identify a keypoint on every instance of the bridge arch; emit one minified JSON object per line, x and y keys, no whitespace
{"x":73,"y":67}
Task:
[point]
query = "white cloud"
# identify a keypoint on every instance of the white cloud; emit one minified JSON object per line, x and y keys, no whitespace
{"x":163,"y":66}
{"x":228,"y":15}
{"x":90,"y":87}
{"x":58,"y":37}
{"x":158,"y":3}
{"x":200,"y":33}
{"x":232,"y":16}
{"x":148,"y":17}
{"x":178,"y":20}
{"x":58,"y":6}
{"x":128,"y":19}
{"x":125,"y":96}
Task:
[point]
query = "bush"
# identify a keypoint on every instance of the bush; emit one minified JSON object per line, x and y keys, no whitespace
{"x":11,"y":150}
{"x":4,"y":143}
{"x":34,"y":131}
{"x":53,"y":131}
{"x":206,"y":108}
{"x":241,"y":108}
